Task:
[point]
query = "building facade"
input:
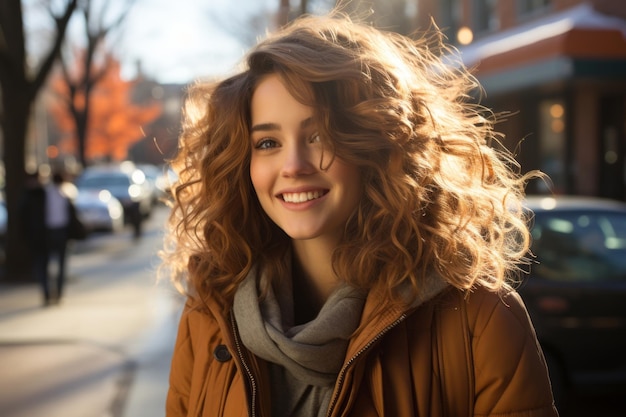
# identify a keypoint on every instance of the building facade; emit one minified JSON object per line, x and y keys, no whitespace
{"x":559,"y":68}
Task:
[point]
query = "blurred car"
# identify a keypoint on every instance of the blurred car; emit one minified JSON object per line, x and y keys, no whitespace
{"x":125,"y":182}
{"x":99,"y":211}
{"x":3,"y":220}
{"x":3,"y":229}
{"x":166,"y":180}
{"x":152,"y":173}
{"x":576,"y":291}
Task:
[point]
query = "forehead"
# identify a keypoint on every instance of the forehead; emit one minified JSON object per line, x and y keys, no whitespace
{"x":272,"y":100}
{"x":297,"y":86}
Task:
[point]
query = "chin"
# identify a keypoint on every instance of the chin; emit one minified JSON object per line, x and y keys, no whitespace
{"x":302,"y":234}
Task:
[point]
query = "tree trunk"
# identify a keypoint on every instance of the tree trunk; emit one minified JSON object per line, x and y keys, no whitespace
{"x":17,"y":95}
{"x":16,"y":105}
{"x":80,"y":121}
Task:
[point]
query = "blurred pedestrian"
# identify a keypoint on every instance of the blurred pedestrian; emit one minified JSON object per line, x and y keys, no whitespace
{"x":136,"y":219}
{"x":347,"y":238}
{"x":46,"y":213}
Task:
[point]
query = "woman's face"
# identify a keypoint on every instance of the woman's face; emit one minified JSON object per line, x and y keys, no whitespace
{"x":305,"y":201}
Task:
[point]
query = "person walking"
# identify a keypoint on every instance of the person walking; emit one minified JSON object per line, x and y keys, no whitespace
{"x":348,"y":238}
{"x":58,"y":213}
{"x":46,"y":215}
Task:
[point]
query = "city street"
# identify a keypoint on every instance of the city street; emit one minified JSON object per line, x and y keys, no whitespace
{"x":105,"y":349}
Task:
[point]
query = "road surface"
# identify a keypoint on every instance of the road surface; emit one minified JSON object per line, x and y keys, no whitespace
{"x":105,"y":349}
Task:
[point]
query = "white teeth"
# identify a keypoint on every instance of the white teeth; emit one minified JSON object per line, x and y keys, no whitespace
{"x":301,"y":197}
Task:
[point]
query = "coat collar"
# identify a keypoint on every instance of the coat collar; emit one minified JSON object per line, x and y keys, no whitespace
{"x":379,"y":314}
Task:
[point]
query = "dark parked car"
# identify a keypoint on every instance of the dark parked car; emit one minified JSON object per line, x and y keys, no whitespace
{"x":124,"y":182}
{"x":3,"y":229}
{"x":576,"y":291}
{"x":152,"y":173}
{"x":99,"y":211}
{"x":3,"y":219}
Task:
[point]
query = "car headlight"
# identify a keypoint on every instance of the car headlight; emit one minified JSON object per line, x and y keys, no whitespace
{"x":115,"y":211}
{"x":104,"y":196}
{"x":134,"y":191}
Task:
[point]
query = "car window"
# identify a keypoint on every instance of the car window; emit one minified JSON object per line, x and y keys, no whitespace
{"x":104,"y":181}
{"x":3,"y":217}
{"x":580,"y":247}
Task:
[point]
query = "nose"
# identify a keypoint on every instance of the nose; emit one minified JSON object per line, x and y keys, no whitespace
{"x":299,"y":159}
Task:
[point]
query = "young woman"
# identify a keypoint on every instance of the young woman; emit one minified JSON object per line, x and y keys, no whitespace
{"x":346,"y":236}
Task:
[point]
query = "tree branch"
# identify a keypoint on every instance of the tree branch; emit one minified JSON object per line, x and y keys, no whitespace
{"x":61,"y":24}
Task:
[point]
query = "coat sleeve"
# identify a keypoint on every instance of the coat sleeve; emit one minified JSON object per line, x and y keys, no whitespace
{"x":511,"y":376}
{"x":181,"y":370}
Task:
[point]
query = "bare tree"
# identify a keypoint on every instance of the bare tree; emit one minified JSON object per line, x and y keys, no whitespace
{"x":19,"y":86}
{"x":387,"y":14}
{"x":392,"y":15}
{"x":286,"y":13}
{"x":98,"y":25}
{"x":245,"y":28}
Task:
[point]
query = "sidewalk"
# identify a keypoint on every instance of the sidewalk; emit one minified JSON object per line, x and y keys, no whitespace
{"x":104,"y":351}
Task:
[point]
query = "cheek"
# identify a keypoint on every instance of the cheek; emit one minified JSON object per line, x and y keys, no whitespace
{"x":259,"y":178}
{"x":350,"y":176}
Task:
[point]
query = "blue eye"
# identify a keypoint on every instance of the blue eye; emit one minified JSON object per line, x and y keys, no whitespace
{"x":315,"y":137}
{"x":266,"y":143}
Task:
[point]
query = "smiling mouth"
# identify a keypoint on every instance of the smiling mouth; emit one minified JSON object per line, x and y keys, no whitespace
{"x":302,"y":197}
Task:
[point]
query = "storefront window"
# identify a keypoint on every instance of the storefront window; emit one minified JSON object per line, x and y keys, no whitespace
{"x":552,"y":142}
{"x":450,"y":17}
{"x":485,"y":16}
{"x":526,"y":7}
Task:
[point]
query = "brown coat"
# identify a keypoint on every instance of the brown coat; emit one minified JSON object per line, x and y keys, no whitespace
{"x":450,"y":357}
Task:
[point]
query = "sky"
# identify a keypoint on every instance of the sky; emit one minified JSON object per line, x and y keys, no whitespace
{"x":180,"y":41}
{"x":174,"y":41}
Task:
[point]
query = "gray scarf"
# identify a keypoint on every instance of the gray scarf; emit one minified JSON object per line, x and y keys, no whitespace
{"x":304,"y":359}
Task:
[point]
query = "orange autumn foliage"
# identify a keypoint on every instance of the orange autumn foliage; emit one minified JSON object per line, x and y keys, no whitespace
{"x":114,"y":123}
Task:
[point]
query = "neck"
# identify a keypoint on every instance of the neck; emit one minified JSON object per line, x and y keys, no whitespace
{"x":314,"y":279}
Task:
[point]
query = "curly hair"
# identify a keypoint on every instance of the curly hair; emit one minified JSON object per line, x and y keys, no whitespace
{"x":441,"y":195}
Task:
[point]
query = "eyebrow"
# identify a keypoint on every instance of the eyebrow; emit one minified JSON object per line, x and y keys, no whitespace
{"x":266,"y":127}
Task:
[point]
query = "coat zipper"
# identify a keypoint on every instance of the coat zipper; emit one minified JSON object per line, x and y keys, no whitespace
{"x":245,"y":365}
{"x":348,"y":364}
